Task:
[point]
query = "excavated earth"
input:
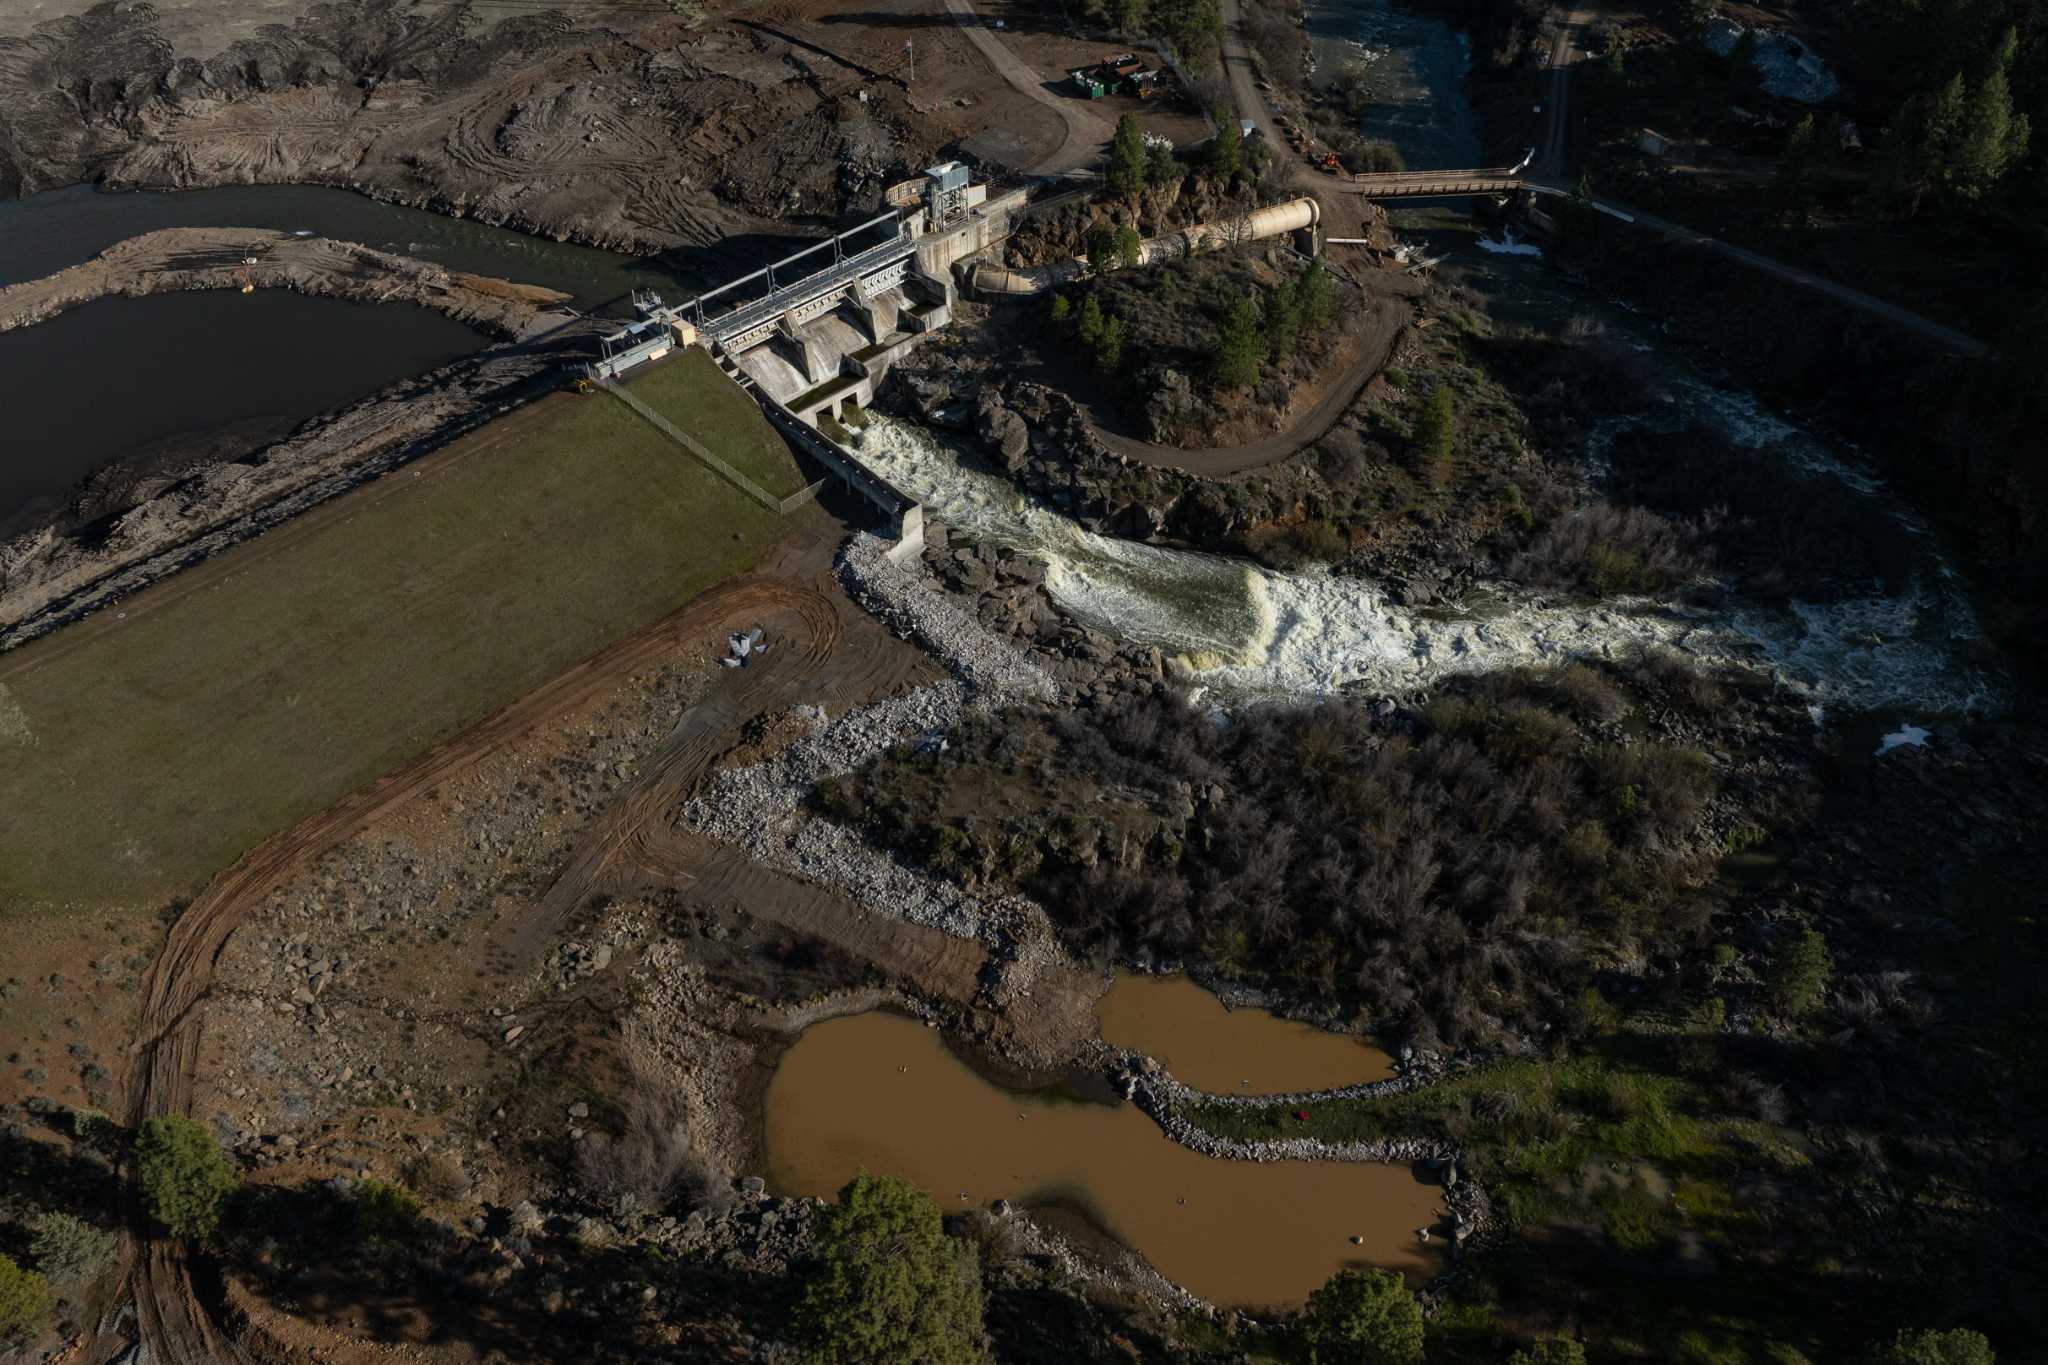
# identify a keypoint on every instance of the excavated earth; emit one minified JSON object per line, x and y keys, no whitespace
{"x":624,"y":127}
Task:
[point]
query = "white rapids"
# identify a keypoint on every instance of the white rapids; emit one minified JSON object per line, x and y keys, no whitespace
{"x":1248,"y":630}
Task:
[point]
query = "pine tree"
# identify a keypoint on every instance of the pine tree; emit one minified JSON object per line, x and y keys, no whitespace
{"x":1129,"y":246}
{"x":890,"y":1285}
{"x":1360,"y":1318}
{"x":1436,"y":431}
{"x":184,"y":1175}
{"x":1989,"y":141}
{"x":24,"y":1300}
{"x":1283,"y":321}
{"x":1795,"y":162}
{"x":1796,"y":982}
{"x":1126,"y":172}
{"x":1743,"y":69}
{"x":1226,"y":149}
{"x":1938,"y":127}
{"x":1318,"y":310}
{"x":1109,"y":346}
{"x":1090,"y":329}
{"x":1062,"y":312}
{"x":1234,"y":359}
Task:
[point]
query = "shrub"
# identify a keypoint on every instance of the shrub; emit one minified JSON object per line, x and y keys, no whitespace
{"x":1633,"y":1218}
{"x":184,"y":1175}
{"x":71,"y":1249}
{"x":1360,"y":1318}
{"x":438,"y":1177}
{"x":642,"y":1165}
{"x":1796,"y":982}
{"x":890,"y":1285}
{"x":1550,"y":1351}
{"x":1604,"y":549}
{"x":24,"y":1300}
{"x":386,"y":1212}
{"x":1927,"y":1347}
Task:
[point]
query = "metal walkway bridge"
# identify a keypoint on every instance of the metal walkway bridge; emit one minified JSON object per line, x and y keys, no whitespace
{"x":1430,"y":184}
{"x":854,"y":271}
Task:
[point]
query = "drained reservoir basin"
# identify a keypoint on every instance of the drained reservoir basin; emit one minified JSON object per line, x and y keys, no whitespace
{"x":1230,"y":1051}
{"x":882,"y":1093}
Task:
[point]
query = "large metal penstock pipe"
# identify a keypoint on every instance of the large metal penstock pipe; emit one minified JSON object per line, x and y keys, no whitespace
{"x":1273,"y":221}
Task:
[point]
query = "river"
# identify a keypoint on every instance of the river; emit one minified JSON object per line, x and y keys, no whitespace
{"x":1415,"y":68}
{"x":882,"y":1093}
{"x":1246,"y":630}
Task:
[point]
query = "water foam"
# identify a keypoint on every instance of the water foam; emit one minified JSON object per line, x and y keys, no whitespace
{"x":1249,"y":630}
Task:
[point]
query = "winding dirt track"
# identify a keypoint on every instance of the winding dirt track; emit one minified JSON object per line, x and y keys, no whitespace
{"x":174,"y":1324}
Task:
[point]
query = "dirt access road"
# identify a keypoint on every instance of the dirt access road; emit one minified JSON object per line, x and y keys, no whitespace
{"x":174,"y":1324}
{"x":1086,"y":131}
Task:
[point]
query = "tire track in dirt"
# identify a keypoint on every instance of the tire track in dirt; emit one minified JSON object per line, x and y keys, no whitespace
{"x":174,"y":1324}
{"x":801,"y":617}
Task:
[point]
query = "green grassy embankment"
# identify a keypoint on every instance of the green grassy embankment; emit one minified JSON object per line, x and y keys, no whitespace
{"x":147,"y":747}
{"x":689,"y":391}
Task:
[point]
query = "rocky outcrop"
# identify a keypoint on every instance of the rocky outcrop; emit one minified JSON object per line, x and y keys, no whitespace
{"x":1010,"y":601}
{"x":1046,"y":444}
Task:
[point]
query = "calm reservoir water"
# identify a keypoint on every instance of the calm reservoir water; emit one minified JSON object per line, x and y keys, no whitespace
{"x":221,"y":372}
{"x":220,"y":369}
{"x":881,"y":1093}
{"x":47,"y":232}
{"x":1231,"y":1051}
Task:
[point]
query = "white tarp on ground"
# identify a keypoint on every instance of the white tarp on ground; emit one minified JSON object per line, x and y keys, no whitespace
{"x":1789,"y":68}
{"x":1906,"y":736}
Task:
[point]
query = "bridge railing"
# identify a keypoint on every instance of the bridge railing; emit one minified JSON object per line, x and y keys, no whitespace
{"x":695,"y":307}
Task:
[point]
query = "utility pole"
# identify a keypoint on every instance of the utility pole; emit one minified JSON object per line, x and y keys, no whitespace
{"x":910,"y":57}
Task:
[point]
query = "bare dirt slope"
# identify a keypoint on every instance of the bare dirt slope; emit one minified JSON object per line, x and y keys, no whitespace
{"x":626,"y":127}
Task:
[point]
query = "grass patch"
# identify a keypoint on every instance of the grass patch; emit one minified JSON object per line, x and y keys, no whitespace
{"x":249,"y":692}
{"x":688,"y":390}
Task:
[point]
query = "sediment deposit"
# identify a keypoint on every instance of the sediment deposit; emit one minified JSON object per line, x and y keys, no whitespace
{"x":176,"y":259}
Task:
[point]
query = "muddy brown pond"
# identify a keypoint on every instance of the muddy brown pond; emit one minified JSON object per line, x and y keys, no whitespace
{"x":880,"y":1092}
{"x":1226,"y":1051}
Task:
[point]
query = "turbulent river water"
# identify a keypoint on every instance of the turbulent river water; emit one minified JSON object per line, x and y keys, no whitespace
{"x":1246,"y":629}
